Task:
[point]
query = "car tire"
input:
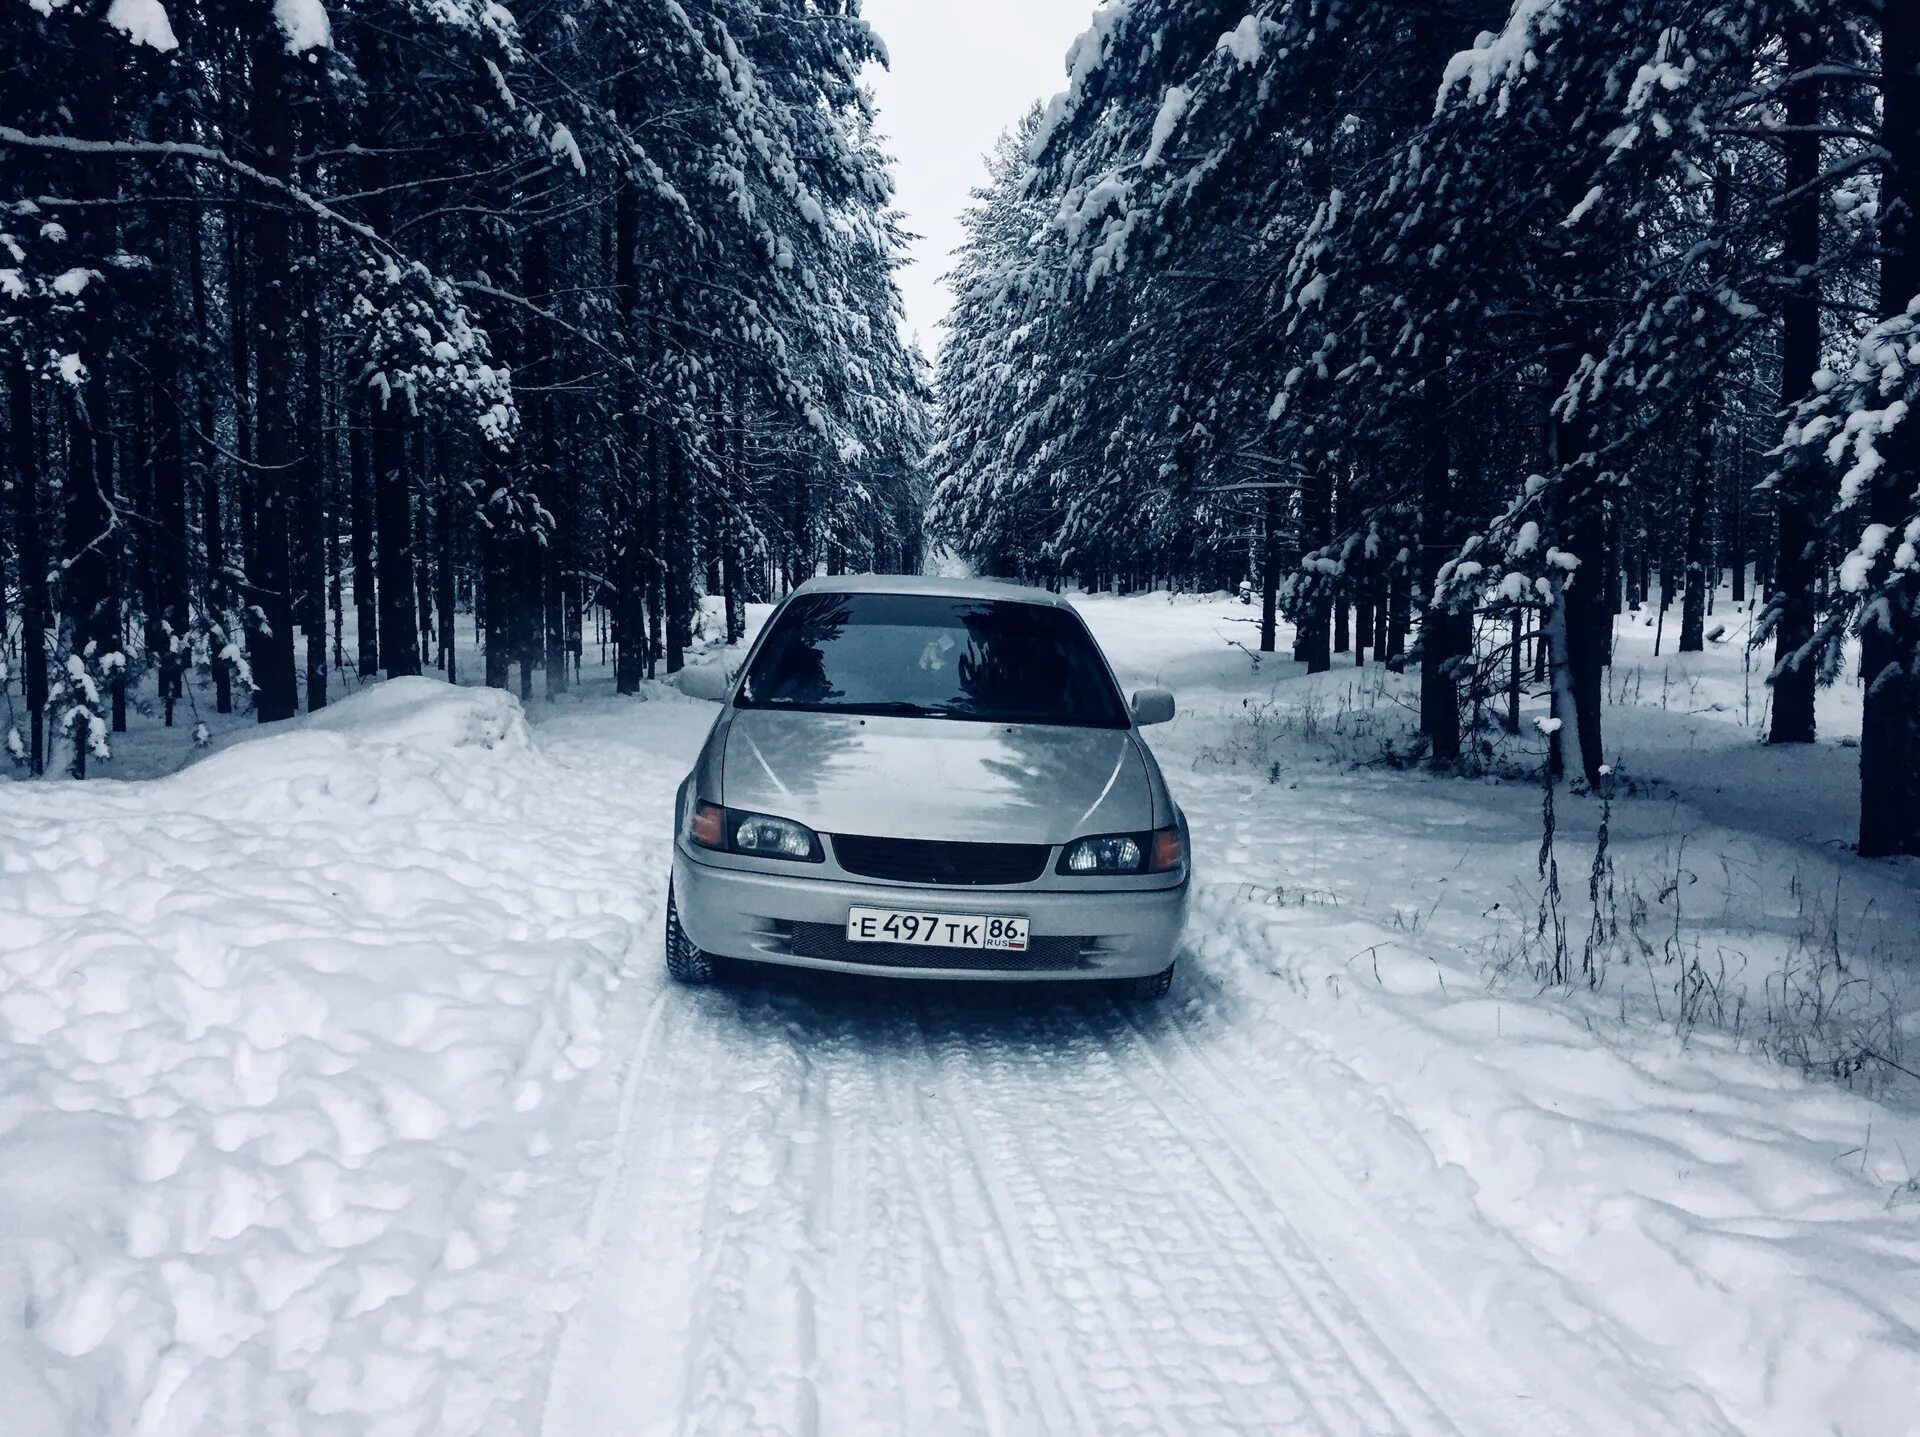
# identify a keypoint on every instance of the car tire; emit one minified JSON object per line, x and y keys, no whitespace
{"x":685,"y":962}
{"x":1148,"y":989}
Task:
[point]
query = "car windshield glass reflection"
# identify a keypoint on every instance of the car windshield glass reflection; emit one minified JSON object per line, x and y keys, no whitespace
{"x":925,"y":656}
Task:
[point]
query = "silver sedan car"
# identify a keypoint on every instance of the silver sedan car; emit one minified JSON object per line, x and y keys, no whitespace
{"x":925,"y":778}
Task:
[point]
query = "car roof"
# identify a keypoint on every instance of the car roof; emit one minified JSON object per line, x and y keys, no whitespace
{"x":926,"y":584}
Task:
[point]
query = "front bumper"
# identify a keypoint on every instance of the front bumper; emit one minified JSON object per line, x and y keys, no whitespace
{"x":795,"y":921}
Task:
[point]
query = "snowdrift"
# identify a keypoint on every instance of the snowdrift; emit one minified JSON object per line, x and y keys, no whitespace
{"x":281,"y":1039}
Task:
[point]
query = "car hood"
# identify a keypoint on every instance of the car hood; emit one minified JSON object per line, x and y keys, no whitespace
{"x":937,"y":778}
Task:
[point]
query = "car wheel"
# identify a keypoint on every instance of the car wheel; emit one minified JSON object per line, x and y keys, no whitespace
{"x":1148,"y":989}
{"x":685,"y":963}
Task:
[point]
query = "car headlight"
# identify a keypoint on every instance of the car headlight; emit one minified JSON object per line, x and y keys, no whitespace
{"x":754,"y":835}
{"x":1120,"y":853}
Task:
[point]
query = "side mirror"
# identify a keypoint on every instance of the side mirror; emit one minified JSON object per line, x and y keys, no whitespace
{"x":711,"y":683}
{"x":1152,"y":706}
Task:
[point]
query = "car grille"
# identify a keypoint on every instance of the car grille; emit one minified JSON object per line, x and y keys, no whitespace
{"x":828,"y":943}
{"x":913,"y":860}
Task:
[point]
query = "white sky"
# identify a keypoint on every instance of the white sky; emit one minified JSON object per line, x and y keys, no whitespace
{"x":963,"y":71}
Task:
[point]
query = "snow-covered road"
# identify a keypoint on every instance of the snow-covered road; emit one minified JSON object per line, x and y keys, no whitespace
{"x":375,"y":1115}
{"x":845,"y":1207}
{"x":842,"y":1212}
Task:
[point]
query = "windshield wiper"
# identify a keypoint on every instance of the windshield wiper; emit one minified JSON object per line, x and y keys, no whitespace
{"x":879,"y":708}
{"x":897,"y":709}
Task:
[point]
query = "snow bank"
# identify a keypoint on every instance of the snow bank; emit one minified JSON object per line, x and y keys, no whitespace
{"x":1713,"y":1209}
{"x":281,"y":1039}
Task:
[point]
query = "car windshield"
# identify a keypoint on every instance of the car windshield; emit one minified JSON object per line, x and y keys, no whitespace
{"x":930,"y":656}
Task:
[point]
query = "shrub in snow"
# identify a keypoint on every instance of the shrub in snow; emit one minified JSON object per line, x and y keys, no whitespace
{"x":15,"y":744}
{"x":77,"y":713}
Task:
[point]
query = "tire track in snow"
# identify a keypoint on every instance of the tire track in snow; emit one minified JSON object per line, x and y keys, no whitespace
{"x":1159,"y":1153}
{"x":748,"y":1341}
{"x":929,"y":1218}
{"x":1385,"y":1282}
{"x":1004,"y":1215}
{"x":1328,"y":1304}
{"x":1008,"y":1169}
{"x":1129,"y":1307}
{"x":1275,"y":1311}
{"x":841,"y":1233}
{"x":600,"y":1334}
{"x":1029,"y":1203}
{"x":1394,"y":1272}
{"x":940,"y":1241}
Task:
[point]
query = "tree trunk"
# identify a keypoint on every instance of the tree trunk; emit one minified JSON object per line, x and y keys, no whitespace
{"x":336,"y":586}
{"x":1588,"y":627}
{"x":1736,"y":527}
{"x":1566,"y":709}
{"x":1270,"y":573}
{"x":30,"y":543}
{"x":629,"y":577}
{"x":312,"y":474}
{"x":1382,"y":607}
{"x":242,"y":551}
{"x":271,"y":649}
{"x":1643,"y":566}
{"x":1890,"y":634}
{"x":446,"y":519}
{"x":1799,"y":495}
{"x":214,"y":597}
{"x":1399,"y":609}
{"x":421,"y":511}
{"x":393,"y":517}
{"x":677,"y":541}
{"x":1441,"y":645}
{"x":169,"y":605}
{"x":557,"y":562}
{"x":1315,"y":617}
{"x":1693,"y":604}
{"x":399,"y":630}
{"x":800,"y":554}
{"x":133,"y":579}
{"x":734,"y":482}
{"x":1363,"y":588}
{"x":1513,"y":670}
{"x":366,"y":592}
{"x":501,"y":577}
{"x":90,"y":537}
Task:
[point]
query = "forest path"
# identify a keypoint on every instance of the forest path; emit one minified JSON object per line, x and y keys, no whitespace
{"x":1344,"y":1179}
{"x":839,"y":1207}
{"x":836,"y":1212}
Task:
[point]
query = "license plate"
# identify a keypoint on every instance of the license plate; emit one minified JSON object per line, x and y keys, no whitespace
{"x":937,"y":930}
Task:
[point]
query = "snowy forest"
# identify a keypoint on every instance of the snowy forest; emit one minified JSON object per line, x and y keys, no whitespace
{"x":1464,"y":328}
{"x":562,"y":321}
{"x":425,"y":310}
{"x":843,"y":718}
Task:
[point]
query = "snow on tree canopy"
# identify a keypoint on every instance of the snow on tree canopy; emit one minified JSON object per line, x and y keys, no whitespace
{"x":1084,"y":59}
{"x":1500,"y":60}
{"x":305,"y":23}
{"x":1172,"y":110}
{"x":144,"y":22}
{"x":1243,"y":42}
{"x":563,"y":145}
